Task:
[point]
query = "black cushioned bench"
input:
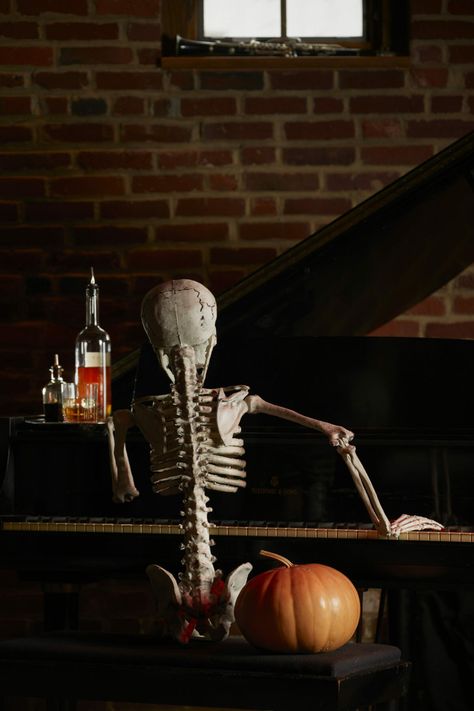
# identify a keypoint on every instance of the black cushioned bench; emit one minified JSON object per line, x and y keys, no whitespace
{"x":229,"y":674}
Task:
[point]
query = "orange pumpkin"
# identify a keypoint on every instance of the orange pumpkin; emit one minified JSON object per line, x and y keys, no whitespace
{"x":298,"y":608}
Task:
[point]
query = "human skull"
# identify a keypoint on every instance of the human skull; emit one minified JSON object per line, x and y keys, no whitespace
{"x":181,"y":312}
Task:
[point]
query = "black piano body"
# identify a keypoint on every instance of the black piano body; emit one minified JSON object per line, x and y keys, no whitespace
{"x":294,"y":332}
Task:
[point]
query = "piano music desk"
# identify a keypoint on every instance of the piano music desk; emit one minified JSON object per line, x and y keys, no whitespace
{"x":231,"y":674}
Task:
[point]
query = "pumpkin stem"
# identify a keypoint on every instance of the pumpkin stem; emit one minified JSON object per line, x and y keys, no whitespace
{"x":277,"y":556}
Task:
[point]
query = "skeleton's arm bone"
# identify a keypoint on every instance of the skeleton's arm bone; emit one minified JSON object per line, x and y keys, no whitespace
{"x":123,"y":485}
{"x":365,"y":488}
{"x":338,"y":437}
{"x":335,"y":433}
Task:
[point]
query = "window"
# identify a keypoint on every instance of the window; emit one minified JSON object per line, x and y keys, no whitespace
{"x":264,"y":27}
{"x":282,"y":19}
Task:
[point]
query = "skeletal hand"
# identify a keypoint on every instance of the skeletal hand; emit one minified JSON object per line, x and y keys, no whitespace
{"x":406,"y":523}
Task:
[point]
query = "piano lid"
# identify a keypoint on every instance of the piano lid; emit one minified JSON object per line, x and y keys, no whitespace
{"x":363,"y":269}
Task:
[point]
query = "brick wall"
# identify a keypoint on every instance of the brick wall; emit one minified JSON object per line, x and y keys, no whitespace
{"x":146,"y":173}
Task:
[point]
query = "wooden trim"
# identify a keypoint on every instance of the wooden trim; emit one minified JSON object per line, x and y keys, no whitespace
{"x":264,"y":63}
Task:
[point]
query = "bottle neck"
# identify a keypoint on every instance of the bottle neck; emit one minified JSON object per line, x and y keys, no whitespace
{"x":92,"y":305}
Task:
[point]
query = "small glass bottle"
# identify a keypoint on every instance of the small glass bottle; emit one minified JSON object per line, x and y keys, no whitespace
{"x":92,"y":354}
{"x":53,"y":394}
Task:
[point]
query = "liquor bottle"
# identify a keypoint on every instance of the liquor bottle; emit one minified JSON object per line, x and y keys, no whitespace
{"x":53,"y":394}
{"x":92,"y":353}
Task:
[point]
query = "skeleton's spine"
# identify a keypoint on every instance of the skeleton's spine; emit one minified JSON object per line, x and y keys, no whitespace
{"x":199,"y":573}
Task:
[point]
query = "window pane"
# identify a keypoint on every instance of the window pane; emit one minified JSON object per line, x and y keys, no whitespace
{"x":324,"y":18}
{"x":242,"y":18}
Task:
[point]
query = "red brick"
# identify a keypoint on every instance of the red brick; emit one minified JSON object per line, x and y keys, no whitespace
{"x":262,"y":206}
{"x":162,"y":107}
{"x":55,"y":211}
{"x":199,"y":233}
{"x":461,"y":54}
{"x":465,"y":280}
{"x":469,"y":79}
{"x":232,"y":81}
{"x":19,"y":30}
{"x":257,"y":155}
{"x":281,"y":181}
{"x":427,"y":77}
{"x":237,"y":131}
{"x":148,"y":56}
{"x":395,"y":155}
{"x":150,"y":260}
{"x":8,"y":81}
{"x":275,"y":105}
{"x":156,"y":133}
{"x":432,"y":306}
{"x":181,"y":80}
{"x":8,"y":213}
{"x":459,"y":329}
{"x":22,"y":187}
{"x":54,"y":105}
{"x":61,"y":80}
{"x":15,"y":105}
{"x":109,"y":235}
{"x":37,"y":7}
{"x":215,"y":106}
{"x":371,"y":79}
{"x":78,"y":132}
{"x":34,"y":161}
{"x":128,"y":105}
{"x":130,"y":81}
{"x":95,"y":55}
{"x":144,"y":32}
{"x":130,"y":8}
{"x":243,"y":256}
{"x":372,"y":181}
{"x":327,"y":105}
{"x":382,"y":128}
{"x":316,"y":206}
{"x":446,"y":104}
{"x":44,"y":237}
{"x":440,"y":128}
{"x":398,"y":328}
{"x":22,"y":259}
{"x":319,"y":130}
{"x":460,"y":7}
{"x":82,"y":31}
{"x":310,"y":155}
{"x":86,"y":185}
{"x":274,"y":231}
{"x":442,"y":29}
{"x":298,"y":80}
{"x":463,"y":305}
{"x":219,"y":181}
{"x":134,"y":209}
{"x":166,"y":183}
{"x":191,"y":207}
{"x":220,"y":281}
{"x":15,"y":134}
{"x":105,"y":160}
{"x":380,"y":104}
{"x":424,"y":53}
{"x":191,"y":158}
{"x":27,"y":56}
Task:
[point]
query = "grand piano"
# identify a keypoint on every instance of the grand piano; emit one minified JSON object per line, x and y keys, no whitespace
{"x":296,"y":333}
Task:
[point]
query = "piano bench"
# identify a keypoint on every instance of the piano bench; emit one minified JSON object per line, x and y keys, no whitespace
{"x":68,"y":667}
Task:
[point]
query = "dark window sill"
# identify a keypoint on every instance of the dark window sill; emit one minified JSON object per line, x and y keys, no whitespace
{"x":240,"y":63}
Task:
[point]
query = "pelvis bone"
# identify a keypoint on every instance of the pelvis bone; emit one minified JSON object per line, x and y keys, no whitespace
{"x":194,"y":447}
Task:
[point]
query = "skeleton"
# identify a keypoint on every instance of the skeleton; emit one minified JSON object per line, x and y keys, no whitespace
{"x":193,"y":448}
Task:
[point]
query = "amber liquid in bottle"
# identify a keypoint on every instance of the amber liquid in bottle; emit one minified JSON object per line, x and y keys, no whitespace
{"x":92,"y":353}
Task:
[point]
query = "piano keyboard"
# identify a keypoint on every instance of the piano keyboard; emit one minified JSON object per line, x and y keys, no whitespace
{"x":224,"y":528}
